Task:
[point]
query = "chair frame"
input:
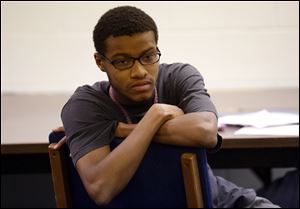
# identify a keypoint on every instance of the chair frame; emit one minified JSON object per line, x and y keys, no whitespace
{"x":58,"y":161}
{"x":60,"y":181}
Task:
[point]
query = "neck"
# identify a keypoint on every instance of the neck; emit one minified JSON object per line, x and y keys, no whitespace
{"x":137,"y":107}
{"x":122,"y":100}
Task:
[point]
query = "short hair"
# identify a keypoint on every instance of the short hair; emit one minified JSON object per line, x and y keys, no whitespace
{"x":120,"y":21}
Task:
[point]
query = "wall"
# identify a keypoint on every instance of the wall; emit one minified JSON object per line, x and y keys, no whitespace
{"x":47,"y":47}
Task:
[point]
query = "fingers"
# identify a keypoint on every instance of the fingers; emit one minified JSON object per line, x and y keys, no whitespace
{"x":178,"y":111}
{"x":174,"y":110}
{"x":60,"y":143}
{"x":168,"y":111}
{"x":58,"y":129}
{"x":63,"y":140}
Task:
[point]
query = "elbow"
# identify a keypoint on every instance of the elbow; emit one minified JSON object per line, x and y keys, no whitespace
{"x":208,"y":134}
{"x":211,"y":139}
{"x":102,"y":200}
{"x":100,"y":193}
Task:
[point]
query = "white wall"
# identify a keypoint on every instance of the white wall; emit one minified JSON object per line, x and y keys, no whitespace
{"x":47,"y":46}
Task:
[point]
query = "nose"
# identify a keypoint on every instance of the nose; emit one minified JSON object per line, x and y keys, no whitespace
{"x":138,"y":70}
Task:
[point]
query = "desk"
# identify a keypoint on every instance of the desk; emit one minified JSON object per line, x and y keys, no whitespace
{"x":260,"y":153}
{"x":26,"y":121}
{"x":232,"y":141}
{"x":236,"y":151}
{"x":257,"y":151}
{"x":25,"y":127}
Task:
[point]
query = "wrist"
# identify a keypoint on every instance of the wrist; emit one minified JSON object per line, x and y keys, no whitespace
{"x":124,"y":129}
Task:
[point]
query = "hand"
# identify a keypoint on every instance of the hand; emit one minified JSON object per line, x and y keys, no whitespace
{"x":60,"y":143}
{"x":63,"y":140}
{"x":124,"y":129}
{"x":58,"y":129}
{"x":168,"y":111}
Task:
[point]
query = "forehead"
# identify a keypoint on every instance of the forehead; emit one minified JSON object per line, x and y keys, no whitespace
{"x":131,"y":45}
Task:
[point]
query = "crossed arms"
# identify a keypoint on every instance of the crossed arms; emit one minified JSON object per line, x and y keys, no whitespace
{"x":106,"y":172}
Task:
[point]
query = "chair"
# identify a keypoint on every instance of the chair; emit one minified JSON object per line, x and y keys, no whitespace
{"x":168,"y":176}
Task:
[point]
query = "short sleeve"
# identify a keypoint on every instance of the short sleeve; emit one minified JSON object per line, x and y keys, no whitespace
{"x":185,"y":88}
{"x":88,"y":123}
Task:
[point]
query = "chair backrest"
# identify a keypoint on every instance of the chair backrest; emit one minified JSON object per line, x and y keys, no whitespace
{"x":168,"y":176}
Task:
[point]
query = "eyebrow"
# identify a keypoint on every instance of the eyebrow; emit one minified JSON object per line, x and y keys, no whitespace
{"x":128,"y":55}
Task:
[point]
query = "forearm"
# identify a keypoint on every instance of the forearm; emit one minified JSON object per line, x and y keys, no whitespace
{"x":105,"y":178}
{"x":193,"y":129}
{"x":124,"y":129}
{"x":123,"y":161}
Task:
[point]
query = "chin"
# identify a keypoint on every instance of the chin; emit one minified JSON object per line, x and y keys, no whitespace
{"x":142,"y":97}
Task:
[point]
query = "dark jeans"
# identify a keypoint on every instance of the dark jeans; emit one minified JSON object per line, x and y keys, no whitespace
{"x":283,"y":191}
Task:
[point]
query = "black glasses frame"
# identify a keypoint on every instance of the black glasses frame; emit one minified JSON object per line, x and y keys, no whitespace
{"x":133,"y":59}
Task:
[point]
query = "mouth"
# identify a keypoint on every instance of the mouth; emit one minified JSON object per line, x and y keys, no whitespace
{"x":142,"y":86}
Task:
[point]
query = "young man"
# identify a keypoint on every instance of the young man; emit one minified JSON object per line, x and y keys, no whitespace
{"x":143,"y":101}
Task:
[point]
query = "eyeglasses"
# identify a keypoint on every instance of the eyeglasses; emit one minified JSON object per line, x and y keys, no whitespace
{"x":128,"y":62}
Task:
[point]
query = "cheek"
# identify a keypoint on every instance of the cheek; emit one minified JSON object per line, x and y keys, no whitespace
{"x":154,"y":72}
{"x":118,"y":79}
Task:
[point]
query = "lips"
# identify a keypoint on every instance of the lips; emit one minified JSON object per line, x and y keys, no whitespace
{"x":142,"y":86}
{"x":141,"y":83}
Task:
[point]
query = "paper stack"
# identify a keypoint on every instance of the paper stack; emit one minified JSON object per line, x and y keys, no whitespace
{"x":263,"y":122}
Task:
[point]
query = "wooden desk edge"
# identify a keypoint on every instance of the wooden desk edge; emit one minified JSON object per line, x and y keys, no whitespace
{"x":260,"y":142}
{"x":228,"y":143}
{"x":40,"y":148}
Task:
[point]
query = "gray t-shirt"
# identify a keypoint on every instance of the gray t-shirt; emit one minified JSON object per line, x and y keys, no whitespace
{"x":90,"y":116}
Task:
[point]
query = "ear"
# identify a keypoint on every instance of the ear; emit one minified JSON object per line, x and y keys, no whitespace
{"x":99,"y":61}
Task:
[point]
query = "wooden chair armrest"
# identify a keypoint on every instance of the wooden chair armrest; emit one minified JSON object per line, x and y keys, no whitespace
{"x":59,"y":176}
{"x":191,"y":179}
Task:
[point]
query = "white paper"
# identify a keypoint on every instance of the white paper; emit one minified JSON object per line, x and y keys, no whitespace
{"x":288,"y":130}
{"x":260,"y":119}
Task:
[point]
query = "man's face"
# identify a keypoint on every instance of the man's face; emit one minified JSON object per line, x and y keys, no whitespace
{"x":136,"y":83}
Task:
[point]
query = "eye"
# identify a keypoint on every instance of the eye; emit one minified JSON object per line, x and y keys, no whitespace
{"x":121,"y":61}
{"x":149,"y":57}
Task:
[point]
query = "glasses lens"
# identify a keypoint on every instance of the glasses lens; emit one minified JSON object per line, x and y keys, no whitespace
{"x":123,"y":63}
{"x":150,"y":59}
{"x":128,"y":62}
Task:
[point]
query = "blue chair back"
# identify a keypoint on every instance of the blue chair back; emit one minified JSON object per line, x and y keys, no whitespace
{"x":157,"y":183}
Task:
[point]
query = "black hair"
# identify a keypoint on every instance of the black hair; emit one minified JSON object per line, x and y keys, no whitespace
{"x":119,"y":21}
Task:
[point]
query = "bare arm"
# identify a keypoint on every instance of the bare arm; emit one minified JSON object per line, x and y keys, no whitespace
{"x":105,"y":173}
{"x":192,"y":129}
